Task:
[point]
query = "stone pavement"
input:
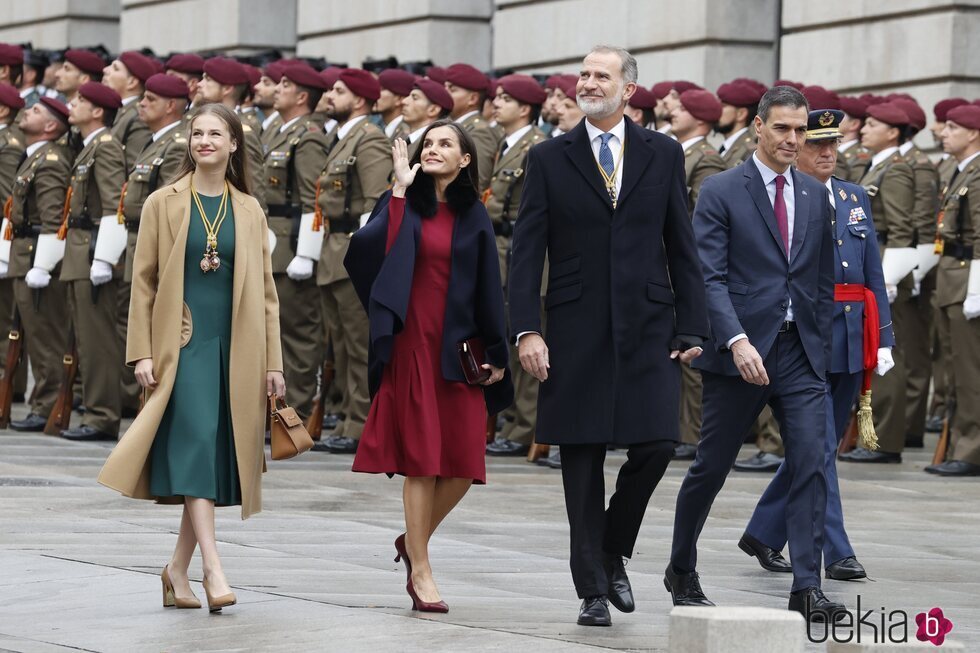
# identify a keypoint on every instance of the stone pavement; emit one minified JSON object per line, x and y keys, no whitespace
{"x":79,"y":564}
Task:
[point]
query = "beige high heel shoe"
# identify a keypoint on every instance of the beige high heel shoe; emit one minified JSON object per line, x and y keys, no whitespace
{"x":170,"y":598}
{"x":215,"y":603}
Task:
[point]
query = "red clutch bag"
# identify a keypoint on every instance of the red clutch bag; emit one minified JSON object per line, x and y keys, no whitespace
{"x":472,"y":355}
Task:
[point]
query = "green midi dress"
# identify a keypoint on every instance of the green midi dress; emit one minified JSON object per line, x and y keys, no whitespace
{"x":193,"y":453}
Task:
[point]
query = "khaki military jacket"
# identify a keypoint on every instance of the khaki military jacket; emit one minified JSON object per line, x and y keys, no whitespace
{"x":38,"y":200}
{"x":11,"y":149}
{"x":131,"y":132}
{"x":270,"y":131}
{"x":891,"y":187}
{"x":926,"y":179}
{"x":401,"y":131}
{"x":487,"y":143}
{"x":958,"y":227}
{"x":858,"y":158}
{"x":293,"y":163}
{"x":251,"y":118}
{"x":741,"y":149}
{"x":256,"y":164}
{"x":701,"y":161}
{"x":946,"y":168}
{"x":153,"y":169}
{"x":357,"y":171}
{"x":96,"y":183}
{"x":503,"y":195}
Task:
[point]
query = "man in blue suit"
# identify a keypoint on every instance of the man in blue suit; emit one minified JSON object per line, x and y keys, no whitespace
{"x":857,"y":270}
{"x":767,"y":256}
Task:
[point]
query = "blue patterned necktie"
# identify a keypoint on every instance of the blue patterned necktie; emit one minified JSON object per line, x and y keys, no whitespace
{"x":605,"y":155}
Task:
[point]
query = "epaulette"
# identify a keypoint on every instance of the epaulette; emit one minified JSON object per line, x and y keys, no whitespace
{"x":51,"y":156}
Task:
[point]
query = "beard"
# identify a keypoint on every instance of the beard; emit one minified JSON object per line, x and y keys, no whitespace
{"x":724,"y":129}
{"x":600,"y":107}
{"x":339,"y":115}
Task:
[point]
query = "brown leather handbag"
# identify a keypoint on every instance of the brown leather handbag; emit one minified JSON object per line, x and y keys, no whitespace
{"x":289,"y":437}
{"x":472,"y":355}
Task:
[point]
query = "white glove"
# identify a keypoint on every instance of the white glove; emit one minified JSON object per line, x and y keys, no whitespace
{"x":897,"y":263}
{"x":971,"y":307}
{"x":885,"y":361}
{"x":3,"y":269}
{"x":37,"y":278}
{"x":892,"y":292}
{"x":300,"y":268}
{"x":100,"y":273}
{"x":927,"y":259}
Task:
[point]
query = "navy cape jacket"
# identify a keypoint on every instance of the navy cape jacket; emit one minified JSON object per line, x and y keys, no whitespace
{"x":475,"y":301}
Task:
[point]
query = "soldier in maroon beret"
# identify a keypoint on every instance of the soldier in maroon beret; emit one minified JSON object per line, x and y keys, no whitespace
{"x":673,"y":98}
{"x":10,"y":98}
{"x":264,"y":98}
{"x":569,"y":113}
{"x":468,"y":88}
{"x":11,"y":148}
{"x":127,"y":75}
{"x":436,"y":74}
{"x":429,"y":101}
{"x":78,"y":67}
{"x":516,"y":105}
{"x":396,"y":84}
{"x":190,"y":68}
{"x":358,"y":167}
{"x":641,"y":106}
{"x":11,"y":64}
{"x":890,"y":182}
{"x":739,"y":104}
{"x":329,"y":75}
{"x":786,"y":82}
{"x":226,"y":81}
{"x":958,"y":285}
{"x":661,"y":113}
{"x":94,"y":244}
{"x":947,"y":164}
{"x":820,"y":98}
{"x":852,"y":157}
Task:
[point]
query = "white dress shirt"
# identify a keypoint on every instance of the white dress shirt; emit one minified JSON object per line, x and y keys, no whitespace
{"x":730,"y":141}
{"x":516,"y":136}
{"x":163,"y":130}
{"x":965,"y":162}
{"x":615,"y":146}
{"x":843,"y":147}
{"x":393,"y":125}
{"x":346,"y":128}
{"x":769,"y":179}
{"x":881,"y":156}
{"x":417,"y":134}
{"x":88,"y":139}
{"x":686,"y":145}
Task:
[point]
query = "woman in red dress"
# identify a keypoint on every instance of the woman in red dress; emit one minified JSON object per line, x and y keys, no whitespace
{"x":425,"y":268}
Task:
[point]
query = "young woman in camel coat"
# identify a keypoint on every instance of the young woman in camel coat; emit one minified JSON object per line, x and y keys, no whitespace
{"x":239,"y":368}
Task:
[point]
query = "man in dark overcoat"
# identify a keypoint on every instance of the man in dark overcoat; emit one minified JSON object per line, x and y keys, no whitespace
{"x":606,"y":203}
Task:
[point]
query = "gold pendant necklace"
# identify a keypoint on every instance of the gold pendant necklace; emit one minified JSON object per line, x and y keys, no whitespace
{"x":210,"y":262}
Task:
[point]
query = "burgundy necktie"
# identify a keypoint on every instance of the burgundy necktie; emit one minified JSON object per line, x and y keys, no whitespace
{"x":779,"y":206}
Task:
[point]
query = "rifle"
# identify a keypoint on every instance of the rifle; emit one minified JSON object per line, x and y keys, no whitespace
{"x":60,"y":417}
{"x":943,"y":444}
{"x":11,"y":363}
{"x":314,"y":425}
{"x":850,"y":439}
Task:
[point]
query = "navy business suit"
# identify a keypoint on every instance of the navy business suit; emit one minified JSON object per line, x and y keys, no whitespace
{"x":749,"y":285}
{"x":857,"y":249}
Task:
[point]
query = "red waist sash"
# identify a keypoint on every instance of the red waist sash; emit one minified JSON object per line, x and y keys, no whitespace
{"x":850,"y":292}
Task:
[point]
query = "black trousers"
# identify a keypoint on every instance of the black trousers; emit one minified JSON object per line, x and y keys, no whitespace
{"x":594,"y":529}
{"x":798,"y":398}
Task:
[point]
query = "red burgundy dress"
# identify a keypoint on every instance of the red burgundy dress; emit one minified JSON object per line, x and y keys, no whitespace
{"x":420,"y":424}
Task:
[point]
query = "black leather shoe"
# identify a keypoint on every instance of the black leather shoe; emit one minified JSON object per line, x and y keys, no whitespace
{"x":934,"y":424}
{"x":502,"y":447}
{"x":87,"y":434}
{"x":336,"y":444}
{"x":330,"y":421}
{"x":861,"y":455}
{"x":814,"y":606}
{"x":32,"y":423}
{"x":769,"y":558}
{"x":594,"y":612}
{"x":760,"y":462}
{"x":685,"y":589}
{"x":685,"y":451}
{"x":620,"y":591}
{"x":948,"y":468}
{"x":553,"y":460}
{"x":846,"y":569}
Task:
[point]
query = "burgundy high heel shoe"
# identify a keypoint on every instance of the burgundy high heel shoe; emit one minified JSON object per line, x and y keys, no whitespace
{"x":403,"y":553}
{"x":422,"y":606}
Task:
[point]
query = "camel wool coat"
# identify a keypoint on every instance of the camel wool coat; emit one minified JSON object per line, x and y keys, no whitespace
{"x":160,"y":324}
